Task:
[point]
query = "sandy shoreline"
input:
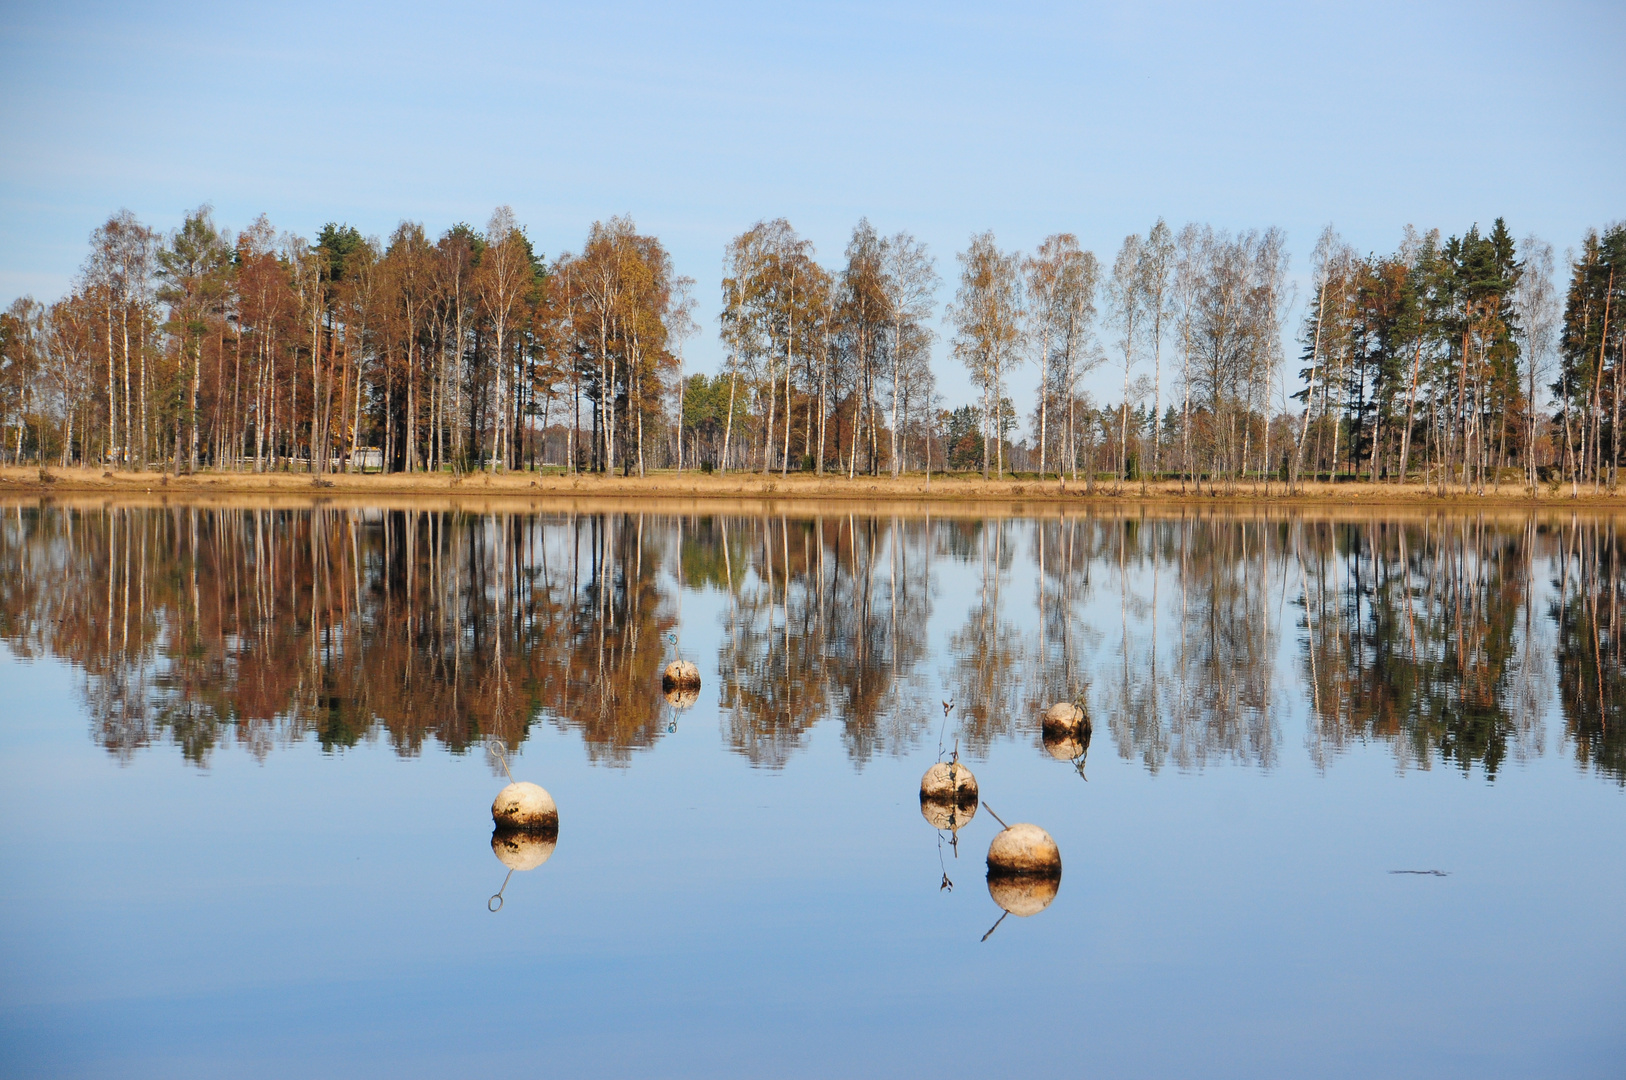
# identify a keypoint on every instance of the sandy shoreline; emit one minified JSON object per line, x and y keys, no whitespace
{"x":960,"y":491}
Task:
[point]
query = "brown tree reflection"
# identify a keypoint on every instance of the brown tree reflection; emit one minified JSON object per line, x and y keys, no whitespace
{"x":1591,"y":664}
{"x":1193,"y":677}
{"x":1189,"y":637}
{"x":1064,"y":552}
{"x":990,"y":649}
{"x":267,"y":626}
{"x":1422,"y":634}
{"x":826,"y":616}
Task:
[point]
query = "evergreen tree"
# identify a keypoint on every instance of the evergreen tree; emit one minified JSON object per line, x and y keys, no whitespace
{"x":1588,"y":388}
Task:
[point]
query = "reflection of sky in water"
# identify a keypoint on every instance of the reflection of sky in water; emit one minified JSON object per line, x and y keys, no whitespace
{"x":308,"y":913}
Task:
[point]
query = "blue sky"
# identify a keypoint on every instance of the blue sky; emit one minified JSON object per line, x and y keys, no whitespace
{"x":698,"y":121}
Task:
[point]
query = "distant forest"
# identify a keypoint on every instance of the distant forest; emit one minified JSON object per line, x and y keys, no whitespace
{"x":1448,"y":361}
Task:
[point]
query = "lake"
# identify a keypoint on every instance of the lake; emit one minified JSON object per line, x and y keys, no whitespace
{"x":1350,"y":803}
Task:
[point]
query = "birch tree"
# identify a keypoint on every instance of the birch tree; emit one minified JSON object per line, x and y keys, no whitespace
{"x":988,"y":316}
{"x":504,"y":278}
{"x":120,"y":266}
{"x":1127,"y":299}
{"x":1157,"y":297}
{"x":1189,"y":247}
{"x":911,"y":283}
{"x":681,"y":327}
{"x":1536,"y":300}
{"x":865,"y":317}
{"x":1061,"y":281}
{"x":739,"y":323}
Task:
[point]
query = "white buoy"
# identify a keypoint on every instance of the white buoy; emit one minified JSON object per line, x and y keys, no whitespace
{"x":948,"y":795}
{"x":948,"y":781}
{"x":525,"y":807}
{"x":1064,"y":714}
{"x":1065,"y":731}
{"x":1024,"y":870}
{"x":680,"y":675}
{"x":1024,"y":850}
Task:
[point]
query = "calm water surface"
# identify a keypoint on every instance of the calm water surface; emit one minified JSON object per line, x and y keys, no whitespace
{"x":247,"y":758}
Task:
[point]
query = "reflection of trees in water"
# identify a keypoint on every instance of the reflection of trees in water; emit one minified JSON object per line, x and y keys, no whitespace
{"x":988,"y":649}
{"x":1163,"y":626}
{"x":1228,"y":641}
{"x":609,"y":616}
{"x":1436,"y":635}
{"x":1591,"y":667}
{"x":1195,"y":671}
{"x":1422,"y":634}
{"x":265,"y":626}
{"x":702,"y":559}
{"x":826,"y":615}
{"x":1063,"y":552}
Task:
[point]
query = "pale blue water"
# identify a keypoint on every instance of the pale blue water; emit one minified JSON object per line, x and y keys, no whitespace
{"x":759,"y":895}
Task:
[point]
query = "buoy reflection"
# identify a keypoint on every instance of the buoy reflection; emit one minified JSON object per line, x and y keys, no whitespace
{"x":519,"y":851}
{"x":526,"y":826}
{"x":680,"y":684}
{"x":523,"y":851}
{"x":1065,"y":731}
{"x":1024,"y":871}
{"x":948,"y":802}
{"x":948,"y":795}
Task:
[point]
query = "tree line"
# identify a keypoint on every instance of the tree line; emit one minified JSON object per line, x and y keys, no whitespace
{"x":1448,"y":360}
{"x":267,"y":351}
{"x":1435,"y":359}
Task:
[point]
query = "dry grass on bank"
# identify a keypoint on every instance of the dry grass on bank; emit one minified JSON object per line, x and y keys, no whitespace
{"x":958,"y":488}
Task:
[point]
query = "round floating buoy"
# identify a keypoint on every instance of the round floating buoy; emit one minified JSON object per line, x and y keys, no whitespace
{"x":523,"y":850}
{"x":680,"y":675}
{"x":1024,"y":871}
{"x":1064,"y":714}
{"x":1065,"y":731}
{"x":948,"y":795}
{"x":524,"y":807}
{"x":1024,"y":850}
{"x":948,"y":782}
